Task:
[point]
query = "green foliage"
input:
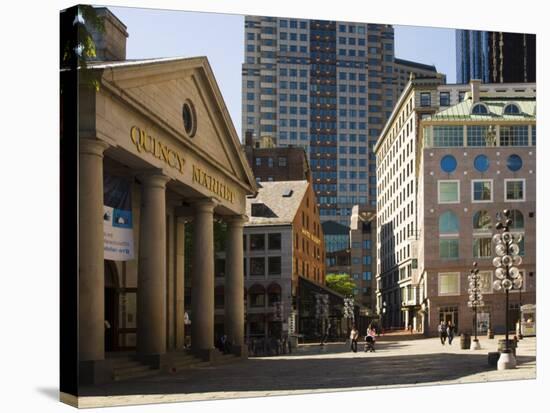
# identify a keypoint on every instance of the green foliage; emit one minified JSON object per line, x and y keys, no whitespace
{"x":341,"y":283}
{"x":76,"y":51}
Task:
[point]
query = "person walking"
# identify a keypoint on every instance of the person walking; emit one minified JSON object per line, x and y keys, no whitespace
{"x":326,"y":335}
{"x":450,"y":332}
{"x":354,"y":336}
{"x":442,"y":332}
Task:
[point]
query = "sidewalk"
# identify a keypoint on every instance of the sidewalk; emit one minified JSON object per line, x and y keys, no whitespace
{"x":328,"y":368}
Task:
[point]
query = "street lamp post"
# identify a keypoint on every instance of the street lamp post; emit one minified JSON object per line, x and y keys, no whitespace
{"x":348,"y":309}
{"x":383,"y":315}
{"x":520,"y":335}
{"x":476,"y":300}
{"x":508,"y":276}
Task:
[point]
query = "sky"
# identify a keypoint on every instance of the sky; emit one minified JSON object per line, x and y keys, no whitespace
{"x":220,"y":37}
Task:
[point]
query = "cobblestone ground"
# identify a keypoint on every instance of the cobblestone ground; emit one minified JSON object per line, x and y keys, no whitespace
{"x":322,"y":369}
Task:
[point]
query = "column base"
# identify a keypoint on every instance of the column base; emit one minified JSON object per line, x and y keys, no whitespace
{"x":94,"y":372}
{"x":207,"y":354}
{"x":240,"y":351}
{"x":156,"y":361}
{"x":475,"y":345}
{"x":506,"y":361}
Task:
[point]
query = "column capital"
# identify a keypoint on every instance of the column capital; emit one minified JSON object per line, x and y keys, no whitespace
{"x":92,"y":147}
{"x":204,"y":205}
{"x":153,"y":179}
{"x":236,"y":220}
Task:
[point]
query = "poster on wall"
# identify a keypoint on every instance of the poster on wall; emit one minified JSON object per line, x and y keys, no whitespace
{"x":118,"y":235}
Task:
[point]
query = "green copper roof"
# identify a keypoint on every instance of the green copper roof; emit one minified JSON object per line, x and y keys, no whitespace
{"x":462,"y":111}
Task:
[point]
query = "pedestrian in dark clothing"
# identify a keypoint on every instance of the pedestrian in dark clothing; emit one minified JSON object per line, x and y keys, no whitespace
{"x":325,"y":336}
{"x":442,"y":332}
{"x":354,"y":336}
{"x":450,"y":332}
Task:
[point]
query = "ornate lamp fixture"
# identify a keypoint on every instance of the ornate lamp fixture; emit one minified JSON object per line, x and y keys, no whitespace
{"x":507,"y":273}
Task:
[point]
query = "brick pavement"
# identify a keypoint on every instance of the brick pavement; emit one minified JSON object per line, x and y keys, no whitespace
{"x":322,"y":369}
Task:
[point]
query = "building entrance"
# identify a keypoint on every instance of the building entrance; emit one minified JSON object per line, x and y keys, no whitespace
{"x":447,"y":314}
{"x":111,"y":306}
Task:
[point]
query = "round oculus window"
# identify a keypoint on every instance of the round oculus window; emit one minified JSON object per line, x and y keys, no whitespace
{"x":481,"y":163}
{"x":514,"y":163}
{"x":448,"y":163}
{"x":189,"y":119}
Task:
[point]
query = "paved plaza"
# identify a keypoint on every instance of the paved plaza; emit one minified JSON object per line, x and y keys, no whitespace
{"x":314,"y":368}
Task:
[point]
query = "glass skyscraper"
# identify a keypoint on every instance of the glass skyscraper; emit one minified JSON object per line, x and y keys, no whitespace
{"x":495,"y":57}
{"x":472,"y":56}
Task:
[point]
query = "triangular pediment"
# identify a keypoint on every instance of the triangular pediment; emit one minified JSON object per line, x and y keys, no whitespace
{"x":161,"y":87}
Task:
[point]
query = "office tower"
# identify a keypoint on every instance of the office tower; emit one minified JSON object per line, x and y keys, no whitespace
{"x":495,"y":57}
{"x":328,"y":87}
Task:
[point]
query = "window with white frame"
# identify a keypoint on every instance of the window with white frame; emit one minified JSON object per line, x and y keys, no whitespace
{"x":514,"y":190}
{"x":448,"y":191}
{"x":449,"y":283}
{"x":482,"y":190}
{"x":448,"y":248}
{"x":482,"y":247}
{"x":486,"y":282}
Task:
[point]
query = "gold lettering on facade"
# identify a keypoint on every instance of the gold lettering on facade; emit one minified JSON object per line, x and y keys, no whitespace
{"x":310,"y":236}
{"x":147,"y":143}
{"x":212,"y":184}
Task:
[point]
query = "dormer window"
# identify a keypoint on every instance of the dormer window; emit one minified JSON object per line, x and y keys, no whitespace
{"x":512,"y":109}
{"x":480,"y":109}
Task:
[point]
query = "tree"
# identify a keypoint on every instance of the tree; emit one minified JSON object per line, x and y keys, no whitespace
{"x":341,"y":283}
{"x":77,"y":45}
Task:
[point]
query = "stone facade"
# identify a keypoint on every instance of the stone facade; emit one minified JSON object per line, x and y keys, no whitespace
{"x":180,"y":170}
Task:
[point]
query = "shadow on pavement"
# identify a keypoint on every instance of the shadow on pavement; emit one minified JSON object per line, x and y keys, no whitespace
{"x":271,"y":374}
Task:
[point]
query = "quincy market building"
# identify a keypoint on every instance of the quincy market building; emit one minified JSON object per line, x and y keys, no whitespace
{"x":158,"y":139}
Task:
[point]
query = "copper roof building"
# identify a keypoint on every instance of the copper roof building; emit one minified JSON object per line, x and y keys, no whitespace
{"x":449,"y":161}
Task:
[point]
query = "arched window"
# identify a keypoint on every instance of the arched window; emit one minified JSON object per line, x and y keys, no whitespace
{"x":273,"y":294}
{"x":257,"y":295}
{"x":482,"y":221}
{"x":448,"y":223}
{"x":480,"y":109}
{"x":517,"y":219}
{"x":511,"y":109}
